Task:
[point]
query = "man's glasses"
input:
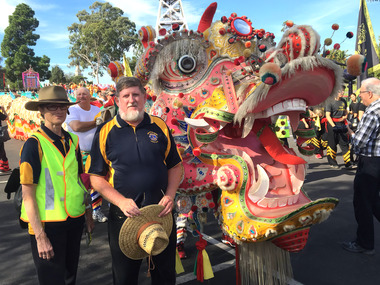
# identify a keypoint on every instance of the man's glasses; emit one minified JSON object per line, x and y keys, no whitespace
{"x":55,"y":107}
{"x":363,"y":92}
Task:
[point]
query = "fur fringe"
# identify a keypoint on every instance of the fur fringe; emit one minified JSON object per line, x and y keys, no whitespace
{"x":175,"y":49}
{"x":263,"y":263}
{"x":304,"y":63}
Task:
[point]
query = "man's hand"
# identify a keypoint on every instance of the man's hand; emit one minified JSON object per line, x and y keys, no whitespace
{"x":44,"y":247}
{"x":129,"y":208}
{"x":168,"y":203}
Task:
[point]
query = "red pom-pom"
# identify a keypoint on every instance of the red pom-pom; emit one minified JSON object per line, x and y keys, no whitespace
{"x":337,"y":46}
{"x":231,"y":40}
{"x":224,"y":19}
{"x":259,"y":35}
{"x":162,"y":32}
{"x":197,"y":151}
{"x":208,"y":195}
{"x":236,"y":61}
{"x":174,"y":121}
{"x":175,"y":27}
{"x":262,"y":48}
{"x":327,"y":52}
{"x":148,"y":97}
{"x":222,"y":31}
{"x":289,"y":23}
{"x":335,"y":27}
{"x":211,"y":205}
{"x":180,"y":95}
{"x":194,"y":208}
{"x":248,"y":44}
{"x":154,"y":98}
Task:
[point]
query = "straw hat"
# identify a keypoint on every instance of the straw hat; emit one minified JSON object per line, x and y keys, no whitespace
{"x":146,"y":234}
{"x":49,"y":95}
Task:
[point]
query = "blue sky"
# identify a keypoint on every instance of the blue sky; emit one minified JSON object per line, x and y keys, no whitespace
{"x":56,"y":15}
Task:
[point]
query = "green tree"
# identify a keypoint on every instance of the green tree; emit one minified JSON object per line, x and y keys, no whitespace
{"x":339,"y":56}
{"x":18,"y":38}
{"x":100,"y":37}
{"x":57,"y":75}
{"x":138,"y":50}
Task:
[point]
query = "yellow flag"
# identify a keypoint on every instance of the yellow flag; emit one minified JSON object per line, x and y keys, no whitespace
{"x":207,"y":268}
{"x":127,"y":69}
{"x":178,"y":264}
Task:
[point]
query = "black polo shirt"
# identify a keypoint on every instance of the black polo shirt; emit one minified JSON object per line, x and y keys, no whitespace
{"x":136,"y":158}
{"x":31,"y":154}
{"x":337,"y":108}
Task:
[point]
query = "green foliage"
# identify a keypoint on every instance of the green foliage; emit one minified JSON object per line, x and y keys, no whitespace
{"x":101,"y":36}
{"x":339,"y":56}
{"x":57,"y":75}
{"x":138,"y":50}
{"x":15,"y":47}
{"x":41,"y":65}
{"x":71,"y":78}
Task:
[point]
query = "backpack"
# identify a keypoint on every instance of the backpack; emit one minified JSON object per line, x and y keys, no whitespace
{"x":13,"y":186}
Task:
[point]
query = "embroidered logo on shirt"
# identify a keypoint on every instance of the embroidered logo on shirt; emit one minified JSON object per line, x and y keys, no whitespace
{"x":153,"y":137}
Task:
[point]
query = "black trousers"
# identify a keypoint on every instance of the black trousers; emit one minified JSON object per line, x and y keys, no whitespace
{"x":366,"y":199}
{"x":65,"y":238}
{"x":125,"y":271}
{"x":333,"y":139}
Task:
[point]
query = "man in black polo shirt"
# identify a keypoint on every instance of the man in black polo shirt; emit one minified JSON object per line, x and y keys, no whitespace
{"x":137,"y":154}
{"x":336,"y":115}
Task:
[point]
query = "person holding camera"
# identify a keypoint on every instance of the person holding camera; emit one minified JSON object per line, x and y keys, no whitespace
{"x":336,"y":115}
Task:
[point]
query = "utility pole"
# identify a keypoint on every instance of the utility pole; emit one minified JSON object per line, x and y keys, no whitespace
{"x":170,"y":12}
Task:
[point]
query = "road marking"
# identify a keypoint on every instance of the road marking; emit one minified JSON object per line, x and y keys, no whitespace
{"x":219,"y":244}
{"x":221,"y":266}
{"x":3,"y":181}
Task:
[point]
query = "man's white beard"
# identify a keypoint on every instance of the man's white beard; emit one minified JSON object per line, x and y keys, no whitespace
{"x":132,"y":116}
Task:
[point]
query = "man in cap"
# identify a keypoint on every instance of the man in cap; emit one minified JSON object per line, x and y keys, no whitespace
{"x":138,"y":155}
{"x":82,"y":122}
{"x":366,"y":143}
{"x":53,"y":195}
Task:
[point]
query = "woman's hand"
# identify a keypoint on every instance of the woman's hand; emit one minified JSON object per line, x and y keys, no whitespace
{"x":44,"y":247}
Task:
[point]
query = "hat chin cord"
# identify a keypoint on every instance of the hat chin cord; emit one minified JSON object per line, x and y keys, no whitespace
{"x":150,"y":260}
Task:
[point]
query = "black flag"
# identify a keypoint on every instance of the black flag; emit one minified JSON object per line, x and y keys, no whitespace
{"x":366,"y":42}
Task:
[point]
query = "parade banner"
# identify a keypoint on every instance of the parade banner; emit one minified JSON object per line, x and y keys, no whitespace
{"x":366,"y":42}
{"x":30,"y":79}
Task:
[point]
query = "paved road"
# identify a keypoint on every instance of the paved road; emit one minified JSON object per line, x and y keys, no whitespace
{"x":322,"y":262}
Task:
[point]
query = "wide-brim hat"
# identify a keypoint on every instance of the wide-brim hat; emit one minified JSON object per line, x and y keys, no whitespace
{"x":49,"y":95}
{"x":146,"y":234}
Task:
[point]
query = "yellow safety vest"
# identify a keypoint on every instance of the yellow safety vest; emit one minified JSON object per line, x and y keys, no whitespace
{"x":59,"y":193}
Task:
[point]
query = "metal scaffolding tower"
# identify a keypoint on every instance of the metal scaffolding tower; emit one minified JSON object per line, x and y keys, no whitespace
{"x":169,"y":13}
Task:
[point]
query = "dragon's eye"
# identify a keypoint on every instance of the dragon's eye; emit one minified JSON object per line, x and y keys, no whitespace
{"x":186,"y":64}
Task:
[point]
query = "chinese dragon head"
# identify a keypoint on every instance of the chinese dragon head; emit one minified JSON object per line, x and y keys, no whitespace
{"x":219,"y":90}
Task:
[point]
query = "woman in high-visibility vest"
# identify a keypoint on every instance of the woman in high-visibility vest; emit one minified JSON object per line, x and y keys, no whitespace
{"x":54,"y":198}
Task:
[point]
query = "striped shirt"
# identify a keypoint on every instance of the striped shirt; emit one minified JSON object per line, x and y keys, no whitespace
{"x":366,"y":140}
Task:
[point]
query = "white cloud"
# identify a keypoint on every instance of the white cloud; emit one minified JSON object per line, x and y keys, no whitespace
{"x":142,"y":12}
{"x":59,"y":40}
{"x":8,"y":7}
{"x":6,"y":10}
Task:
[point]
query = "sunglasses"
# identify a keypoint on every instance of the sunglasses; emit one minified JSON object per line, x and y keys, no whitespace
{"x":55,"y":107}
